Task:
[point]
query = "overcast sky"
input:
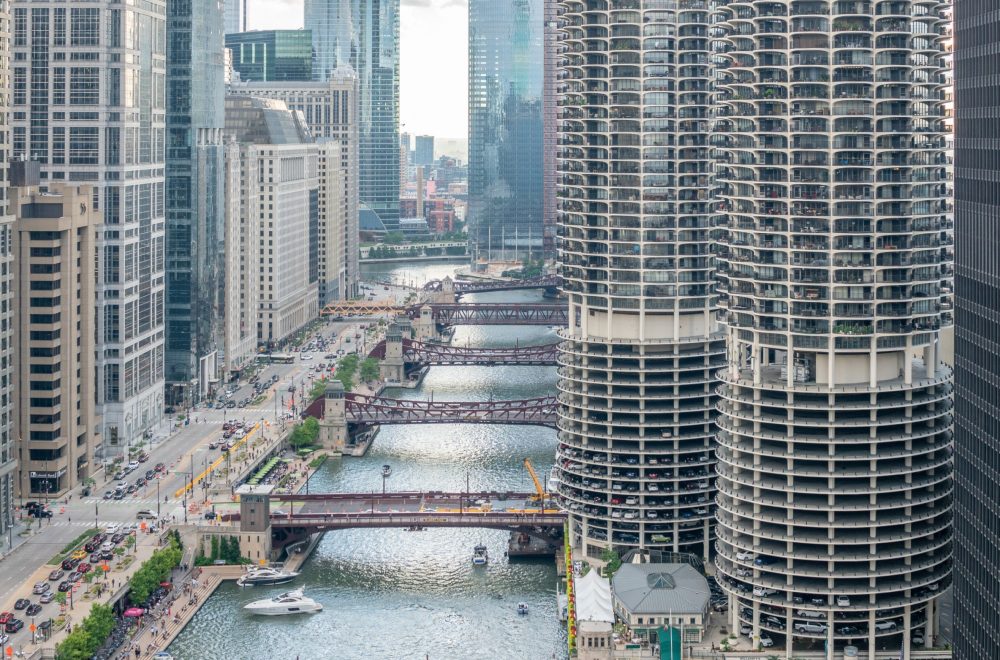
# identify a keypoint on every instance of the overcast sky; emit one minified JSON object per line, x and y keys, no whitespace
{"x":434,"y":60}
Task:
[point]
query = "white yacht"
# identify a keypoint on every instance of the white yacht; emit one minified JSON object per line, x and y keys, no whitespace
{"x":480,"y":557}
{"x":293,"y":602}
{"x":265,"y":575}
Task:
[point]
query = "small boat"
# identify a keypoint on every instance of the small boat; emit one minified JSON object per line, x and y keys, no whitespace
{"x":480,"y":557}
{"x":265,"y":575}
{"x":292,"y":602}
{"x":163,"y":655}
{"x":386,"y":470}
{"x":522,"y":608}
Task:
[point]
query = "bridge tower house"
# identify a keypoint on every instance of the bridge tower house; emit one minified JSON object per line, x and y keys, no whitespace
{"x":255,"y":522}
{"x":392,"y":368}
{"x":424,"y":326}
{"x":333,"y":425}
{"x":446,"y":295}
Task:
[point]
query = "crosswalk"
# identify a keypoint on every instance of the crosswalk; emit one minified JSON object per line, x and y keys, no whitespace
{"x":128,"y":500}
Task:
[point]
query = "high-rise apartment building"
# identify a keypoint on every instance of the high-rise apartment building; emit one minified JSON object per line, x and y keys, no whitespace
{"x":835,"y":425}
{"x":550,"y":124}
{"x":89,"y":106}
{"x":271,"y":55}
{"x":235,"y":16}
{"x":505,"y":124}
{"x":424,"y":152}
{"x":55,"y":243}
{"x":330,"y":110}
{"x":364,"y":35}
{"x":280,"y":188}
{"x":195,"y":183}
{"x":242,"y":272}
{"x":638,"y":360}
{"x":977,"y":333}
{"x":8,"y":394}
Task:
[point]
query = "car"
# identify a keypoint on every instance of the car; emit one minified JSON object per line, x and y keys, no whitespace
{"x":133,"y":465}
{"x":160,"y":467}
{"x":83,"y":569}
{"x":848,"y":630}
{"x":106,"y":555}
{"x":65,"y":585}
{"x":56,"y":575}
{"x":307,"y":357}
{"x":108,"y":494}
{"x":146,"y":514}
{"x":651,"y":514}
{"x":79,"y":554}
{"x":883,"y":626}
{"x":5,"y":617}
{"x":119,"y":475}
{"x":143,"y":457}
{"x":746,"y":629}
{"x":140,"y":482}
{"x":744,"y":572}
{"x":843,"y":601}
{"x":33,"y":609}
{"x":119,"y":494}
{"x":764,"y":591}
{"x":766,"y":641}
{"x":47,"y":597}
{"x":91,"y":545}
{"x":41,"y":513}
{"x":810,"y":614}
{"x":917,"y":638}
{"x":744,"y":556}
{"x":95,"y":557}
{"x":40,"y":588}
{"x":117,"y":538}
{"x":21,"y":603}
{"x":809,"y":627}
{"x":764,"y":561}
{"x":150,"y":475}
{"x":132,"y":489}
{"x":113,"y":528}
{"x":69,"y":564}
{"x":13,"y":625}
{"x":74,"y":576}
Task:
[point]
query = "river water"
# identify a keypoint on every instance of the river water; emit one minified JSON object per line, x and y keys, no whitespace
{"x":392,"y":594}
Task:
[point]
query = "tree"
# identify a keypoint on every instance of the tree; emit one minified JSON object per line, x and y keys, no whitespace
{"x":304,"y":435}
{"x":394,"y":237}
{"x":369,"y":370}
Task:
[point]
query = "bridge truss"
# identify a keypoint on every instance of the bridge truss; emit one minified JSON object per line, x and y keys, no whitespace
{"x":420,"y":353}
{"x":361,"y":409}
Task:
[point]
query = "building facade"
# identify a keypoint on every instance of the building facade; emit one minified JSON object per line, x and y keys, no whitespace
{"x":280,"y":187}
{"x":236,"y":16}
{"x":89,"y":106}
{"x":550,"y":125}
{"x":364,"y":36}
{"x":505,"y":124}
{"x":55,"y":238}
{"x":195,"y":169}
{"x":835,"y":426}
{"x":271,"y":55}
{"x":638,"y":360}
{"x":242,"y":272}
{"x":424,"y":152}
{"x":977,"y":333}
{"x":8,"y":395}
{"x":330,"y":109}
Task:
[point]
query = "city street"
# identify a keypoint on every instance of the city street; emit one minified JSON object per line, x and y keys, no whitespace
{"x":183,"y":451}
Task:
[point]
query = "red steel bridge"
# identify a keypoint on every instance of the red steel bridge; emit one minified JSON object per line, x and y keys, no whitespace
{"x":482,"y":286}
{"x":420,"y":353}
{"x":497,"y":314}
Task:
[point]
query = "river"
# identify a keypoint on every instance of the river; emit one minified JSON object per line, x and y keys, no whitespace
{"x":392,"y":594}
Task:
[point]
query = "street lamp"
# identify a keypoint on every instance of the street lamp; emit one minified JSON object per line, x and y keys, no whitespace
{"x":157,"y":499}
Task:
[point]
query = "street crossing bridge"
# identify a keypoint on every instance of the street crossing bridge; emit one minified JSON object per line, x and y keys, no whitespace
{"x":433,"y":354}
{"x":461,"y":287}
{"x":553,"y":314}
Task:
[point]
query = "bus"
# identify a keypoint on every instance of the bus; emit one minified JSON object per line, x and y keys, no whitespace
{"x":276,"y":358}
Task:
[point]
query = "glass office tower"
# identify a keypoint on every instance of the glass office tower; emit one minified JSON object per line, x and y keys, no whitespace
{"x":272,"y":55}
{"x":235,"y":17}
{"x":195,"y":253}
{"x":505,"y":125}
{"x":977,"y":333}
{"x":364,"y":35}
{"x":835,"y":424}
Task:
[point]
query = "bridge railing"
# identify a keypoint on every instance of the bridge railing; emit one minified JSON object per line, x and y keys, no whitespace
{"x":421,"y":519}
{"x":491,"y":495}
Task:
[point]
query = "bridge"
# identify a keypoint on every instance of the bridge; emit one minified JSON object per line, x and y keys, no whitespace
{"x":457,"y":313}
{"x":368,"y":410}
{"x":499,"y":314}
{"x":460,"y":287}
{"x":420,"y":353}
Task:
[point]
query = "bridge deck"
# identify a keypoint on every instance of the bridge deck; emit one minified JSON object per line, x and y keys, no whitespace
{"x":416,"y":352}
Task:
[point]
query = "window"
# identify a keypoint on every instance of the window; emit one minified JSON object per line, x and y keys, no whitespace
{"x":84,"y":145}
{"x":85,"y":85}
{"x":85,"y":27}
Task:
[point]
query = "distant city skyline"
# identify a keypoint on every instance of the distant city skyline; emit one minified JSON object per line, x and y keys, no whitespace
{"x":432,"y":67}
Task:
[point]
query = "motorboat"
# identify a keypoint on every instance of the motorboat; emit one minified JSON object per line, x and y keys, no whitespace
{"x":552,"y":487}
{"x":265,"y":575}
{"x":480,"y":556}
{"x":386,"y":470}
{"x":522,"y":608}
{"x":292,"y":602}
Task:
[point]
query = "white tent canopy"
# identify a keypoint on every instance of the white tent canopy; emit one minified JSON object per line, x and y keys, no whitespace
{"x":593,"y":598}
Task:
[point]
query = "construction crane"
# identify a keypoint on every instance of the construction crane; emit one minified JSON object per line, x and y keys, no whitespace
{"x":534,"y":477}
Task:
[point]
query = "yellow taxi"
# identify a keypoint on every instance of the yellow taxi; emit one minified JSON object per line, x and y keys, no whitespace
{"x":79,"y":554}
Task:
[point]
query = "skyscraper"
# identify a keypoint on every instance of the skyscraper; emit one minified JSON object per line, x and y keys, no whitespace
{"x":271,"y":55}
{"x":425,"y":150}
{"x":835,"y":426}
{"x":505,"y":124}
{"x":550,"y":126}
{"x":236,"y":16}
{"x":89,"y":98}
{"x":364,"y":35}
{"x":638,"y":360}
{"x":9,"y":396}
{"x":977,"y":297}
{"x":195,"y":160}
